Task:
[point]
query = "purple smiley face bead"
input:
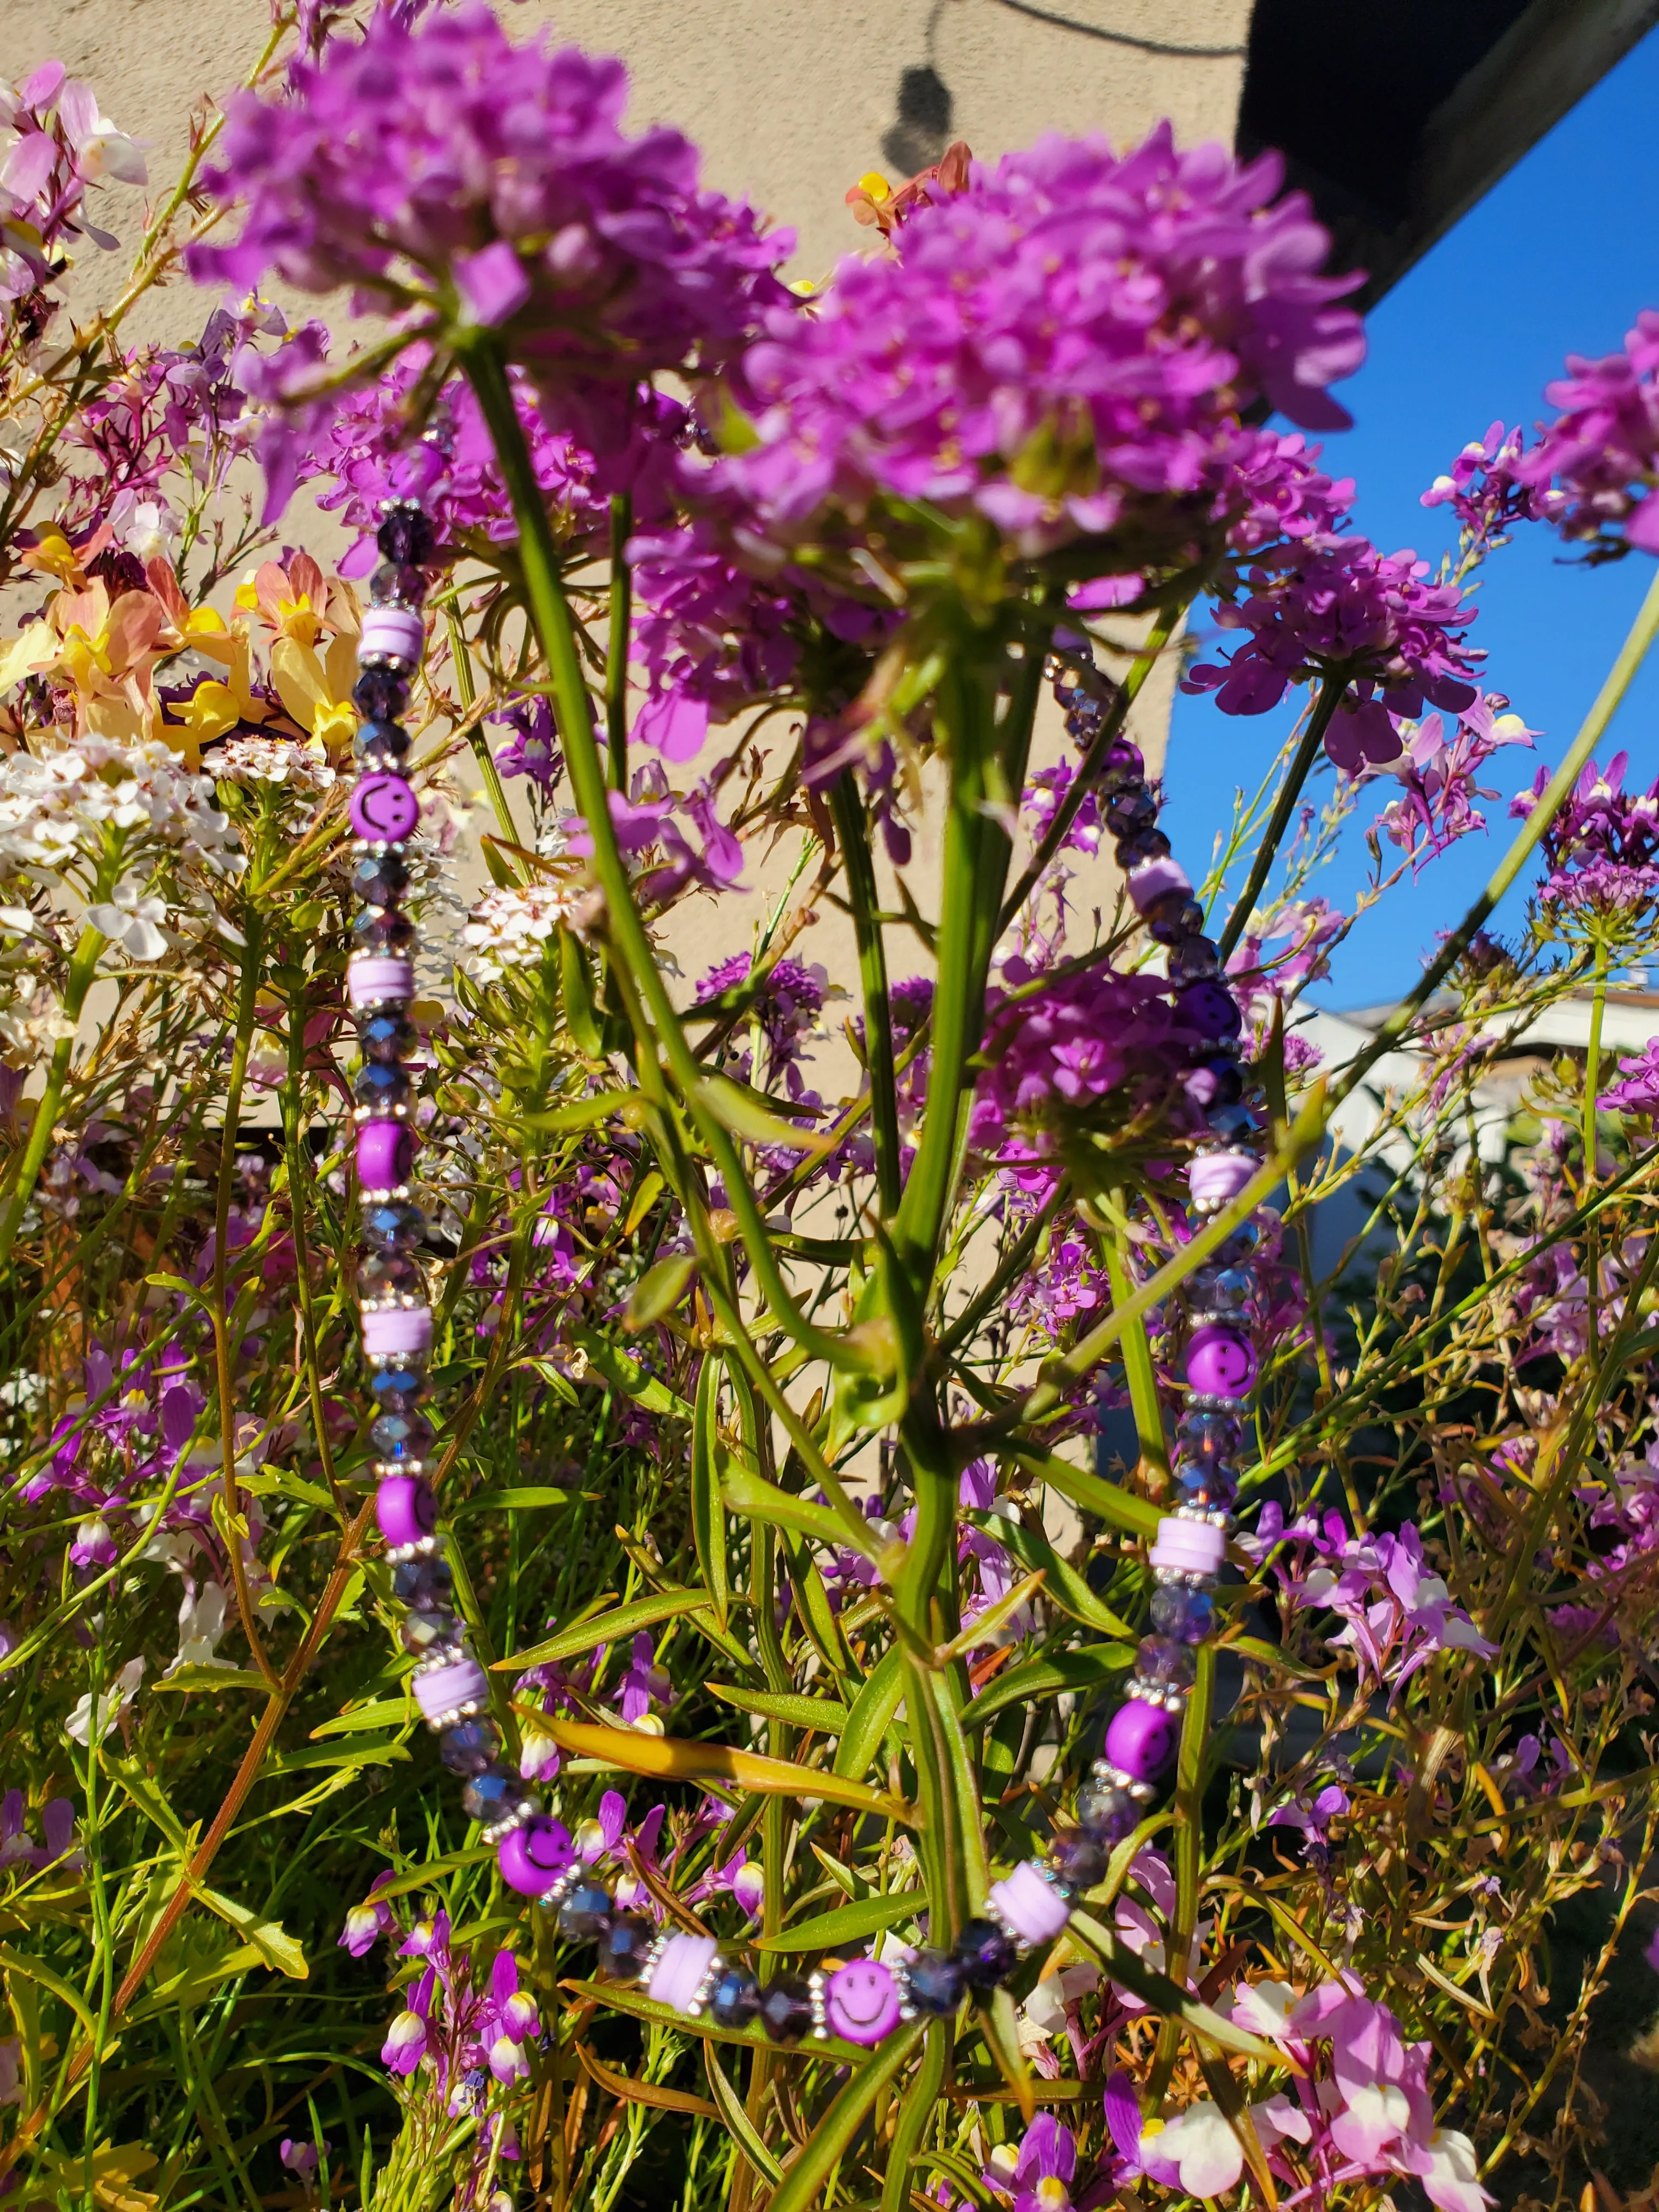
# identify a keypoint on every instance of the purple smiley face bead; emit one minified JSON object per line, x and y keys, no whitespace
{"x":861,"y":2002}
{"x":532,"y":1858}
{"x":406,"y":1509}
{"x":384,"y":810}
{"x":1209,"y":1006}
{"x":1220,"y":1363}
{"x":1141,"y":1739}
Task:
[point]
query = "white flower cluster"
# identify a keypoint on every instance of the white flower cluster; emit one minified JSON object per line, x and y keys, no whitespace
{"x":55,"y":808}
{"x":510,"y":929}
{"x":272,"y":760}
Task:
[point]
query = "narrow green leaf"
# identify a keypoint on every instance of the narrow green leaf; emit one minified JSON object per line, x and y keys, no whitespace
{"x":828,"y":1716}
{"x":999,"y":2026}
{"x":759,"y":1500}
{"x":1062,"y":1581}
{"x":738,"y":2121}
{"x":185,"y":1678}
{"x":755,"y":1119}
{"x":833,"y":2133}
{"x":848,"y":1923}
{"x":1044,"y":1676}
{"x":1138,"y":1516}
{"x":524,"y":1498}
{"x":660,"y":1289}
{"x":869,"y":1718}
{"x":624,"y":1373}
{"x":707,"y":1514}
{"x":650,"y":1190}
{"x":384,"y":1712}
{"x":15,"y":1962}
{"x":279,"y":1950}
{"x":606,"y":1628}
{"x":582,"y":1017}
{"x":581,"y":1113}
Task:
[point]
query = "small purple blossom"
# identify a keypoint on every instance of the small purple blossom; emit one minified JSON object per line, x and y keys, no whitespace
{"x":1597,"y":465}
{"x":1601,"y":850}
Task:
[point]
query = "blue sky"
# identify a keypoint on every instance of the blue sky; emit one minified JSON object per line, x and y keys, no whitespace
{"x":1557,"y":258}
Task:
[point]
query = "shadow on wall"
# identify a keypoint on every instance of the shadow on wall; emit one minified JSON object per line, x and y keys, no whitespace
{"x":922,"y":130}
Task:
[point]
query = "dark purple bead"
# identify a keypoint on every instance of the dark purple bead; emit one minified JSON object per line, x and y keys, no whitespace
{"x":492,"y":1793}
{"x":1077,"y":1859}
{"x":396,"y":583}
{"x":1160,"y":1659}
{"x":1186,"y":1616}
{"x":623,"y":1943}
{"x":380,"y":1086}
{"x":1085,"y":719}
{"x":1185,"y":919}
{"x":1210,"y":1008}
{"x":401,"y":1436}
{"x":1123,"y":767}
{"x":425,"y":1633}
{"x":397,"y":1389}
{"x":1226,"y":1079}
{"x":935,"y":1982}
{"x":1210,"y":1489}
{"x":382,"y":929}
{"x":381,"y":744}
{"x":586,"y":1912}
{"x":1107,"y":1811}
{"x":1234,"y":1124}
{"x":785,"y":2009}
{"x":1145,"y":845}
{"x":379,"y":878}
{"x":380,"y":695}
{"x":1238,"y":1247}
{"x":1129,"y":812}
{"x":405,"y":537}
{"x":986,"y":1955}
{"x":394,"y":1224}
{"x":387,"y":1035}
{"x":425,"y":1585}
{"x":735,"y":1998}
{"x":1195,"y":958}
{"x":1206,"y":1434}
{"x":389,"y":1274}
{"x":469,"y":1746}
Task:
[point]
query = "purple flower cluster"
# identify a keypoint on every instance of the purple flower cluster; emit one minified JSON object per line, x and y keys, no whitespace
{"x":1437,"y":777}
{"x":1595,"y":469}
{"x":1488,"y":492}
{"x":1637,"y":1090}
{"x":57,"y":143}
{"x":1336,"y":607}
{"x":1063,"y":347}
{"x":1601,"y":850}
{"x":447,"y":170}
{"x":787,"y":1004}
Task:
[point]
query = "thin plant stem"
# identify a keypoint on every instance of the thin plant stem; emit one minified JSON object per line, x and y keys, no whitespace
{"x":616,"y":651}
{"x":1301,"y":768}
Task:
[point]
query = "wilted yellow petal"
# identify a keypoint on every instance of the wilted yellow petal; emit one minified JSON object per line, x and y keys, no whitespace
{"x":298,"y":675}
{"x":37,"y":648}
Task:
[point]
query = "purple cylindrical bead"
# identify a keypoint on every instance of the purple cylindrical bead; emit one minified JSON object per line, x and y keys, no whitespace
{"x":678,"y":1975}
{"x":445,"y":1689}
{"x":1141,"y":1739}
{"x":379,"y":979}
{"x":1032,"y":1907}
{"x":1219,"y":1174}
{"x":1156,"y":880}
{"x":392,"y":631}
{"x":397,"y":1332}
{"x":385,"y":1154}
{"x":405,"y":1511}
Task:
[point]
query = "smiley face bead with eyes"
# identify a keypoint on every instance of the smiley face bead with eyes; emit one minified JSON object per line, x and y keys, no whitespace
{"x":384,"y":810}
{"x":861,"y":2002}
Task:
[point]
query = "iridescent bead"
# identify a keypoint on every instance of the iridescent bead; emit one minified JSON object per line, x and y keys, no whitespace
{"x":426,"y":1585}
{"x":786,"y":2009}
{"x":1194,"y":960}
{"x":934,"y":1982}
{"x":396,"y":583}
{"x":397,"y":1389}
{"x":469,"y":1746}
{"x":1084,"y":720}
{"x":623,"y":1945}
{"x":1130,"y":811}
{"x":423,"y":1634}
{"x":381,"y":744}
{"x":1185,"y":920}
{"x":1078,"y":1860}
{"x":1238,"y":1246}
{"x":1160,"y":1659}
{"x":1107,"y":1811}
{"x":986,"y":1953}
{"x":392,"y":1225}
{"x":389,"y":1274}
{"x":1224,"y":1292}
{"x":401,"y":1436}
{"x":1234,"y":1124}
{"x":1226,"y":1078}
{"x":1206,"y":1434}
{"x":382,"y":1086}
{"x":382,"y":930}
{"x":735,"y":1998}
{"x":380,"y":695}
{"x":379,"y":879}
{"x":1123,"y":768}
{"x":386,"y":1035}
{"x":493,"y":1794}
{"x":1186,"y":1616}
{"x":585,"y":1913}
{"x":406,"y":536}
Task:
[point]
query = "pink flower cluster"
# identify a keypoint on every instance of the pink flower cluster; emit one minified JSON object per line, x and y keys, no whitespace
{"x":1637,"y":1091}
{"x":1336,"y":607}
{"x":1601,"y":455}
{"x":1601,"y":849}
{"x":57,"y":143}
{"x":1488,"y":492}
{"x":1438,"y":776}
{"x":1063,"y":346}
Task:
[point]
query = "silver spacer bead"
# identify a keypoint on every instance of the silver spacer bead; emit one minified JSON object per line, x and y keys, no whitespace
{"x":393,"y":663}
{"x":705,"y":1988}
{"x":653,"y":1959}
{"x":395,"y":1301}
{"x":1118,"y":1778}
{"x":468,"y":1710}
{"x":398,"y":1190}
{"x":815,"y":1997}
{"x":398,"y":1112}
{"x":518,"y":1819}
{"x":383,"y":1467}
{"x":378,"y":1360}
{"x":423,"y":1548}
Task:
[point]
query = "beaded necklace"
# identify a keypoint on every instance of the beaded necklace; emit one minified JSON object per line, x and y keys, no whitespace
{"x":866,"y":1999}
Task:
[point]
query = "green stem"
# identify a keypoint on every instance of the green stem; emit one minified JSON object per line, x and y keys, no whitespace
{"x":1137,"y":1351}
{"x":83,"y":965}
{"x":554,"y":627}
{"x":475,"y":736}
{"x":851,"y":828}
{"x":1189,"y":1855}
{"x":616,"y":650}
{"x":1593,"y":1066}
{"x":1330,"y":695}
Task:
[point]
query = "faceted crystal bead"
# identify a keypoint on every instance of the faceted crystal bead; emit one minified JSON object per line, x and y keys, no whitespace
{"x":1123,"y":768}
{"x":986,"y":1953}
{"x":389,"y":1274}
{"x":1129,"y":812}
{"x":1077,"y":1859}
{"x":425,"y":1585}
{"x":381,"y":744}
{"x":1226,"y":1078}
{"x":786,"y":2009}
{"x":1108,"y":1812}
{"x":382,"y":1086}
{"x":398,"y":1437}
{"x":387,"y":1035}
{"x":1184,"y":920}
{"x":1192,"y":960}
{"x":1160,"y":1659}
{"x":1235,"y":1123}
{"x":397,"y":1389}
{"x":1238,"y":1246}
{"x":735,"y":1998}
{"x":493,"y":1793}
{"x":1085,"y":719}
{"x":1209,"y":1435}
{"x":624,"y":1944}
{"x":382,"y":930}
{"x":1211,"y":1487}
{"x":468,"y":1746}
{"x":394,"y":1224}
{"x":1185,"y":1616}
{"x":935,"y":1982}
{"x":1221,"y":1292}
{"x":379,"y":695}
{"x":427,"y":1633}
{"x":380,"y":879}
{"x":1145,"y":845}
{"x":586,"y":1912}
{"x":405,"y":535}
{"x":396,"y":583}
